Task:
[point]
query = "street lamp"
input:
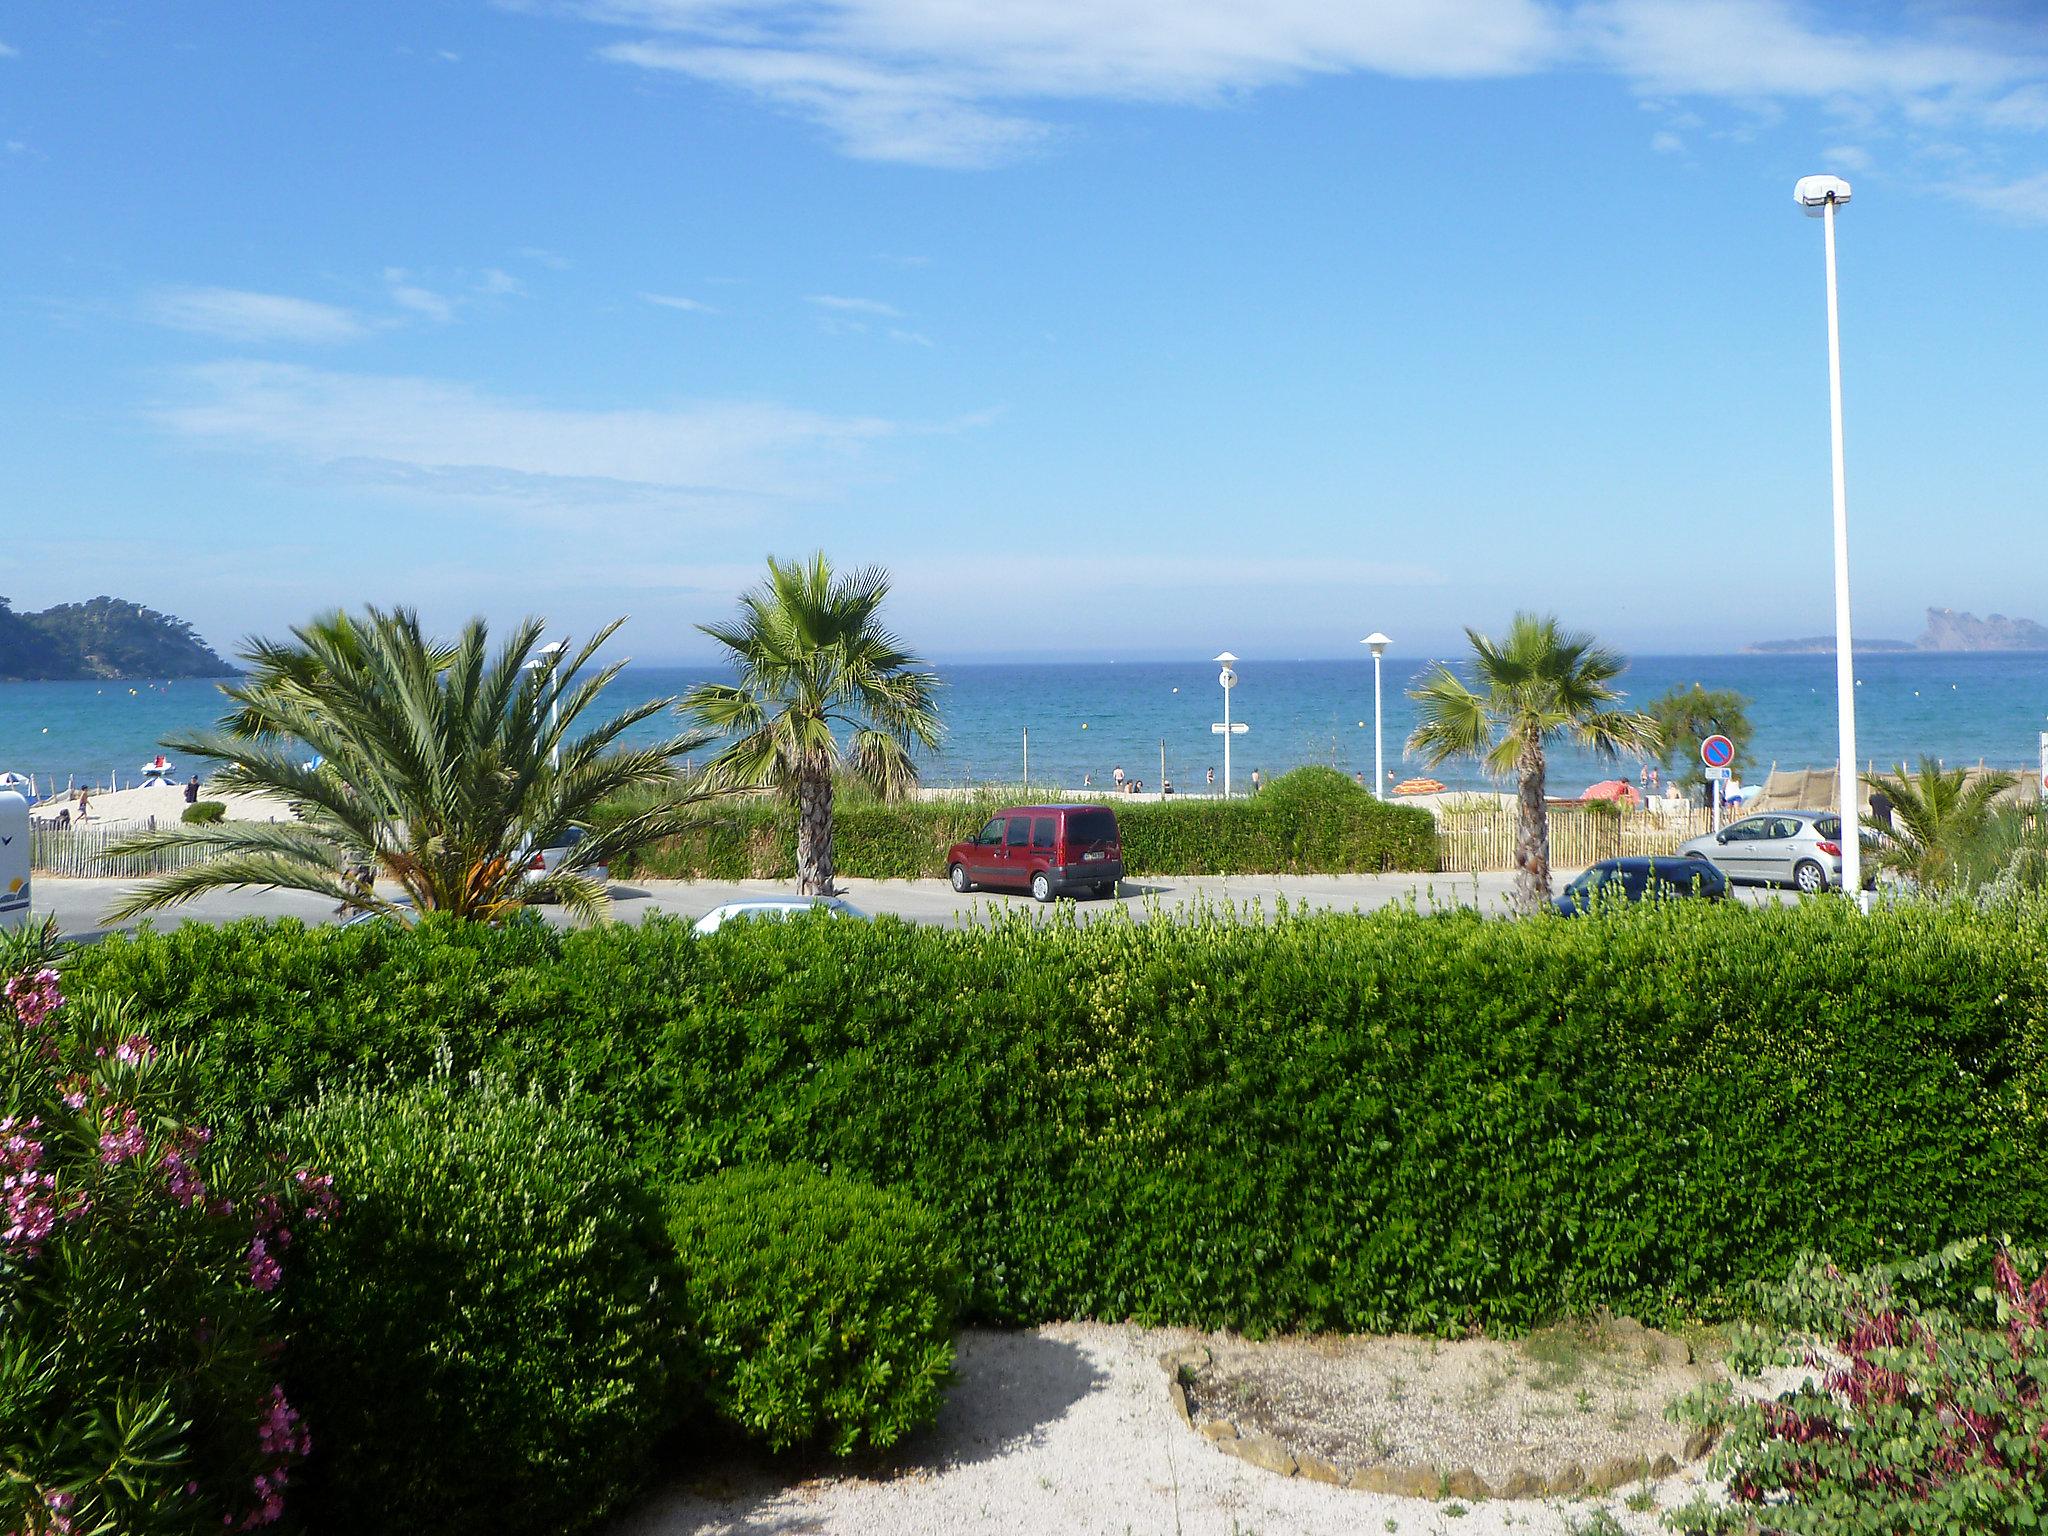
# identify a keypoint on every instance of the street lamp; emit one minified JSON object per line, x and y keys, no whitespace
{"x":549,"y":656}
{"x":1227,"y":678}
{"x":1379,"y":644}
{"x":1820,"y":196}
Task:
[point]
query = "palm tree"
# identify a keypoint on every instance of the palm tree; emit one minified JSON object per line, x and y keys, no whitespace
{"x":437,"y":766}
{"x":1535,"y":686}
{"x":1937,"y":833}
{"x":812,"y":656}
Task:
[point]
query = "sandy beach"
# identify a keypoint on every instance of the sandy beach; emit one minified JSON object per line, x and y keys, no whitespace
{"x":157,"y":802}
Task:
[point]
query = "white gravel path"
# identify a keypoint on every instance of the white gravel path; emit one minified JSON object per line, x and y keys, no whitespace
{"x":1067,"y":1428}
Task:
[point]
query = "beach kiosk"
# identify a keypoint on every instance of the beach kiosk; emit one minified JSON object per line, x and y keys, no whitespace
{"x":13,"y":861}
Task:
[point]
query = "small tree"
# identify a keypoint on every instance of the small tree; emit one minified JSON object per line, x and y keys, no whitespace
{"x":1688,"y":716}
{"x":812,"y":655}
{"x":1536,"y":685}
{"x":437,"y":766}
{"x":1937,"y":835}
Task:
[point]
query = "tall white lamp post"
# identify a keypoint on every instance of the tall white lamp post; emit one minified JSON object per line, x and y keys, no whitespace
{"x":1379,"y":644}
{"x":1228,"y":679}
{"x":1820,"y":196}
{"x":550,"y":657}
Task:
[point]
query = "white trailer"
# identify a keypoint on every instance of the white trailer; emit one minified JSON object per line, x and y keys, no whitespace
{"x":13,"y":861}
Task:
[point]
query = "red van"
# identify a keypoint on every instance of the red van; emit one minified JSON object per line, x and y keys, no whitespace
{"x":1048,"y":850}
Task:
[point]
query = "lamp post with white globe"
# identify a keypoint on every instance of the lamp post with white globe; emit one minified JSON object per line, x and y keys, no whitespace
{"x":1820,"y":196}
{"x":1227,"y":678}
{"x":1379,"y":644}
{"x":546,"y":659}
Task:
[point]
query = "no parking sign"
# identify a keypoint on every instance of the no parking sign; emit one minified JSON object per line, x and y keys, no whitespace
{"x":1719,"y":751}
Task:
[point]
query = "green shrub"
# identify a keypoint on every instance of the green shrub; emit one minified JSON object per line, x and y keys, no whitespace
{"x":1919,"y":1407}
{"x":478,"y":1333}
{"x":1396,"y":1121}
{"x":817,"y":1309}
{"x":138,"y":1327}
{"x":1310,"y":821}
{"x":201,"y":811}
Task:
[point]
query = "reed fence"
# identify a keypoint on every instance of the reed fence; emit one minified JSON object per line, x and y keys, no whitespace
{"x":83,"y":851}
{"x":1483,"y":839}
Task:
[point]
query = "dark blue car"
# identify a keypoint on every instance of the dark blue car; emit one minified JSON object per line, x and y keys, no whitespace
{"x":1636,"y":879}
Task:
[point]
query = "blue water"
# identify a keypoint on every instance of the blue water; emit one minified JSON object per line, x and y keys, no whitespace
{"x":1090,"y":718}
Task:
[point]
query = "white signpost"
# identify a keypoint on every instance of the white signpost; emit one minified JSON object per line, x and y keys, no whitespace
{"x":1228,"y":678}
{"x":2044,"y":762}
{"x":14,"y":875}
{"x":1718,"y":753}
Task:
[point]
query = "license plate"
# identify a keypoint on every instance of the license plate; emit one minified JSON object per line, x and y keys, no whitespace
{"x":1088,"y":856}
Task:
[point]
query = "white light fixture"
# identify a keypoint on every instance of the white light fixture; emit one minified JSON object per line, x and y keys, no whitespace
{"x":1379,"y":644}
{"x":1227,"y":680}
{"x":1820,"y":196}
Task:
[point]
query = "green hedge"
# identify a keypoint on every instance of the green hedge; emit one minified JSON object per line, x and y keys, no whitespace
{"x":1395,"y":1121}
{"x":1311,"y":821}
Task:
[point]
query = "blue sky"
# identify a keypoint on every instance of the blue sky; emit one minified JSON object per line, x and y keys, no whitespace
{"x":1120,"y":328}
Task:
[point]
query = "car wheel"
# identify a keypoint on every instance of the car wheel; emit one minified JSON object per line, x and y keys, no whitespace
{"x":1810,"y":877}
{"x":958,"y":875}
{"x":1041,"y":887}
{"x":1106,"y":888}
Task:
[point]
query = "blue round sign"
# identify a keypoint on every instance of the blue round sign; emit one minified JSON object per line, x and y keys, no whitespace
{"x":1717,"y":751}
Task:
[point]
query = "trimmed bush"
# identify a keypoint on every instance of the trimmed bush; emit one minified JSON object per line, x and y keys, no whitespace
{"x":817,"y":1310}
{"x":478,"y":1333}
{"x":1397,"y":1121}
{"x":138,"y":1329}
{"x":200,"y":812}
{"x":1310,"y":821}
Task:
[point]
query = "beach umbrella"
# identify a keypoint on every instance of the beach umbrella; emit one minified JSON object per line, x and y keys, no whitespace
{"x":18,"y":781}
{"x":1612,"y":789}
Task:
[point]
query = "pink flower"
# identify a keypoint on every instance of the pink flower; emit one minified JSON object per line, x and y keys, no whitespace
{"x":28,"y":1192}
{"x":136,"y":1048}
{"x":318,"y":1189}
{"x":183,"y":1185}
{"x":35,"y":996}
{"x":264,"y":1270}
{"x":117,"y":1146}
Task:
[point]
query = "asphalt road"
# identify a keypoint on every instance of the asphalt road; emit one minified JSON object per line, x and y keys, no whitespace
{"x":80,"y":905}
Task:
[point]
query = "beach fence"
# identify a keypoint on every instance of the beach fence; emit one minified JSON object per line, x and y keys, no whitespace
{"x":82,"y":851}
{"x":1481,"y":839}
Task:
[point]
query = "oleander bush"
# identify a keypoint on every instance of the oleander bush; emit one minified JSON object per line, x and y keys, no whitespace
{"x":1921,"y":1404}
{"x":479,"y":1334}
{"x":200,"y":812}
{"x":815,"y":1310}
{"x":1397,"y":1121}
{"x":1310,"y":821}
{"x":139,"y":1386}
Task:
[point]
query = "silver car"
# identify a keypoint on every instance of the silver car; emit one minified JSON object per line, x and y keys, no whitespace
{"x":1799,"y":848}
{"x":772,"y":909}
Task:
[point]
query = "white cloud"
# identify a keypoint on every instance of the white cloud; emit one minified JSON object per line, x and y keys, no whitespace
{"x":1667,"y":143}
{"x":2023,"y":199}
{"x":910,"y":338}
{"x":439,"y":439}
{"x":1845,"y":157}
{"x":677,"y":301}
{"x":954,"y":83}
{"x":544,"y":256}
{"x":239,"y":315}
{"x":848,"y":306}
{"x":494,"y":283}
{"x":407,"y":294}
{"x":7,"y":52}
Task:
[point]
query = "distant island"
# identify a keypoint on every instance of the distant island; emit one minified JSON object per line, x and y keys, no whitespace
{"x":106,"y":637}
{"x":1946,"y":630}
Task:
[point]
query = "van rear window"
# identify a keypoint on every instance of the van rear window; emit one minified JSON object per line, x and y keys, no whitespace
{"x":1091,"y":827}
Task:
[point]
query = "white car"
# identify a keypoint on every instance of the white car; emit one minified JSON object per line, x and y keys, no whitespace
{"x":544,"y":861}
{"x":774,"y":909}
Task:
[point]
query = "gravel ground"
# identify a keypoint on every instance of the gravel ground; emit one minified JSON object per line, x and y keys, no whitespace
{"x":1068,"y":1429}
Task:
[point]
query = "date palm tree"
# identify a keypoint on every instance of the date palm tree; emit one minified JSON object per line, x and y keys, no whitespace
{"x":1536,"y":685}
{"x":1938,"y":833}
{"x":436,"y":766}
{"x":813,"y":660}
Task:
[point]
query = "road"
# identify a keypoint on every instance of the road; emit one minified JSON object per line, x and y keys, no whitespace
{"x":80,"y":905}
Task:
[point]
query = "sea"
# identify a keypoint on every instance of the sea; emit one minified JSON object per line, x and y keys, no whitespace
{"x":1080,"y":721}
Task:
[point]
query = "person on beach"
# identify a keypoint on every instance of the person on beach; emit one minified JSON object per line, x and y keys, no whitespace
{"x":84,"y":803}
{"x":192,"y":791}
{"x":1255,"y":781}
{"x":1117,"y":776}
{"x":1212,"y":778}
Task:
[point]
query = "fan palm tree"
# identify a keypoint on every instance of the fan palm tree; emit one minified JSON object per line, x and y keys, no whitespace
{"x":437,"y":766}
{"x":1937,"y":833}
{"x":813,"y":658}
{"x":1536,"y":685}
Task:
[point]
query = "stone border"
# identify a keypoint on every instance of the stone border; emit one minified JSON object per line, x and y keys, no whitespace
{"x":1271,"y":1455}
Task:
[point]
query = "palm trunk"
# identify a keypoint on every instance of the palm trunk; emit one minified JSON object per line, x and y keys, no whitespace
{"x":814,"y":835}
{"x":1532,"y":834}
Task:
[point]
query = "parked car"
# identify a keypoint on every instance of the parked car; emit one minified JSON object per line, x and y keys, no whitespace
{"x":543,"y":861}
{"x":1048,"y":850}
{"x":773,"y":909}
{"x":1643,"y":878}
{"x":1800,"y":848}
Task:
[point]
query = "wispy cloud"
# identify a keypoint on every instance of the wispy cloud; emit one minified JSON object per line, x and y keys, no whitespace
{"x":2024,"y":199}
{"x":846,"y":306}
{"x":449,"y":441}
{"x":9,"y":52}
{"x":957,"y":85}
{"x":1667,"y":143}
{"x":494,"y":283}
{"x":409,"y":295}
{"x":239,"y":315}
{"x":677,"y":301}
